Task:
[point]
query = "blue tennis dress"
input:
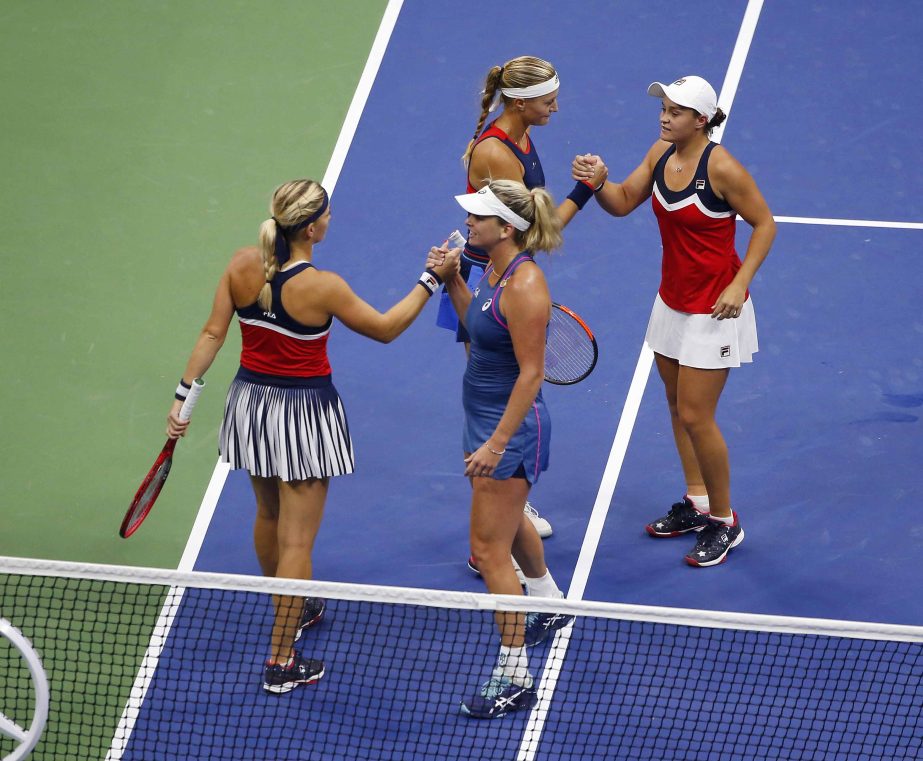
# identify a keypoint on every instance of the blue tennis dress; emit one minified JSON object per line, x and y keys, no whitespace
{"x":489,"y":379}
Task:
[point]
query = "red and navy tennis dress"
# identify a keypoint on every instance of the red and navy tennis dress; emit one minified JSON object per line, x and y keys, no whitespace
{"x":283,"y":416}
{"x":474,"y":259}
{"x":697,"y":229}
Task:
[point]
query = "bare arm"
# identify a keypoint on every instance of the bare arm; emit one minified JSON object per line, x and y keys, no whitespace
{"x":492,"y":160}
{"x":460,"y":295}
{"x":526,"y":306}
{"x":333,"y":295}
{"x":733,"y":183}
{"x":620,"y":199}
{"x":206,"y":348}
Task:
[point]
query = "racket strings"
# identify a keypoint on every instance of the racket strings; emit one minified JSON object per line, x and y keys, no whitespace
{"x":143,"y":502}
{"x":570,"y":352}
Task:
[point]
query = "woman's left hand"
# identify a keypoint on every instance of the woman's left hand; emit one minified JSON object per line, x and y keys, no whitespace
{"x":729,"y":303}
{"x":482,"y":463}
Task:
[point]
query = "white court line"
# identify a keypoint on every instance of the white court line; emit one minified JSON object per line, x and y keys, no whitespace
{"x":850,"y":222}
{"x":557,"y":652}
{"x":219,"y":475}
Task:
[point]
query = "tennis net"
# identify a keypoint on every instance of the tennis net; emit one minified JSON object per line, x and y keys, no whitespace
{"x":155,"y":664}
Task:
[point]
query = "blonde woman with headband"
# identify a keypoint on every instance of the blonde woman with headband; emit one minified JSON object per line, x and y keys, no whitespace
{"x":527,"y":87}
{"x":507,"y":429}
{"x":283,"y":419}
{"x":703,"y":322}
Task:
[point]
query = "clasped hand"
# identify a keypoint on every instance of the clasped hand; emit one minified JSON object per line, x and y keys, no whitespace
{"x":444,"y":261}
{"x":589,"y":168}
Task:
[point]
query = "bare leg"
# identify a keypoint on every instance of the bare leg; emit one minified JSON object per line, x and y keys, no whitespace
{"x":301,"y":507}
{"x":529,"y":550}
{"x":698,"y":392}
{"x":496,"y":519}
{"x":669,"y":374}
{"x":266,"y":524}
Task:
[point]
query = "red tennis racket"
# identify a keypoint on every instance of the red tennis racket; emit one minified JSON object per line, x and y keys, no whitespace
{"x":157,"y":476}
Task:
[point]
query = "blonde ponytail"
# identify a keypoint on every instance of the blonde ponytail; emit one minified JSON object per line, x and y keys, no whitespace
{"x":294,"y":205}
{"x":537,"y":207}
{"x":545,"y":232}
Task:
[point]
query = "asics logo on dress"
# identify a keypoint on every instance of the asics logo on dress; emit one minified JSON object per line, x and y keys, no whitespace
{"x":486,"y":305}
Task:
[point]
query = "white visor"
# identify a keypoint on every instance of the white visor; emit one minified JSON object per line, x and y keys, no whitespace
{"x":690,"y":92}
{"x":533,"y":91}
{"x":485,"y":204}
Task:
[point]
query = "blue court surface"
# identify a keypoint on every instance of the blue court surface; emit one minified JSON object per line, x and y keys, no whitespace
{"x":824,"y":428}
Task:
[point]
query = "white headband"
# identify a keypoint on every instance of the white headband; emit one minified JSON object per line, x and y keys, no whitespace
{"x":532,"y":91}
{"x":485,"y":204}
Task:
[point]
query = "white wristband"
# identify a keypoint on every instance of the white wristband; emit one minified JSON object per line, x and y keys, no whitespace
{"x":429,"y":281}
{"x":182,"y":390}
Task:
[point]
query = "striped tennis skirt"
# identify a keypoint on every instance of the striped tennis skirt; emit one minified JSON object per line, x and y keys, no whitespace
{"x":293,"y":428}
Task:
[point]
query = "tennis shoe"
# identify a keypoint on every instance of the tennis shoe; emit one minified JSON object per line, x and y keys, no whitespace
{"x":539,"y":626}
{"x":542,"y":526}
{"x":498,"y":697}
{"x":473,"y":566}
{"x":279,"y":679}
{"x":313,"y":613}
{"x":714,"y":543}
{"x":682,"y":518}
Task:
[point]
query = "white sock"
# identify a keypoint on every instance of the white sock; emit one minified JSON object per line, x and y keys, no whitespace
{"x":727,"y":520}
{"x":699,"y":502}
{"x":542,"y":587}
{"x":513,"y":663}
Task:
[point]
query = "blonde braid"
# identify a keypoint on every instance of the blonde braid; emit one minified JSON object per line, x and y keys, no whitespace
{"x":268,"y":232}
{"x":491,"y":85}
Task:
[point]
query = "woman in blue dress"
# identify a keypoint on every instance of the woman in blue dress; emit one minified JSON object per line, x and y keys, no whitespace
{"x":507,"y":428}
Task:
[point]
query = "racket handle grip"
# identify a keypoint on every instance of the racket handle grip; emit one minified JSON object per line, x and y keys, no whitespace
{"x":186,"y":410}
{"x":457,"y":240}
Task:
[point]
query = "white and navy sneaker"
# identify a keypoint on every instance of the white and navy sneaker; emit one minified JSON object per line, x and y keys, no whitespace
{"x":498,"y":697}
{"x":542,"y":526}
{"x":313,"y":613}
{"x":714,"y":543}
{"x":682,"y":518}
{"x":539,"y":626}
{"x":279,"y":679}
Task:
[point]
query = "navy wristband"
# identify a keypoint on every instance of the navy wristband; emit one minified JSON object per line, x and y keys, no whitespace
{"x":581,"y":193}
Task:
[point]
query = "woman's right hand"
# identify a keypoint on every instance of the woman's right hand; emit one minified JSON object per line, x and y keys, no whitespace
{"x":175,"y":426}
{"x":589,"y":168}
{"x":445,"y":262}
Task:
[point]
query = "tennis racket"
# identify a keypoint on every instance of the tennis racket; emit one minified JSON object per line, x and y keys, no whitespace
{"x":157,"y":476}
{"x":570,"y":348}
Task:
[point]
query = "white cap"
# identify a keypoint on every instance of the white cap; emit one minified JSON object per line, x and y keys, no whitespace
{"x":691,"y":92}
{"x":485,"y":204}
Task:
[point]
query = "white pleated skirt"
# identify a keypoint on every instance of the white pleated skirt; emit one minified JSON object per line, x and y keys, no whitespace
{"x":699,"y":340}
{"x":295,"y":432}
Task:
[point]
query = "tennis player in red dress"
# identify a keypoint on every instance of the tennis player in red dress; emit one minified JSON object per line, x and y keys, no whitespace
{"x":703,"y":322}
{"x":283,"y":421}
